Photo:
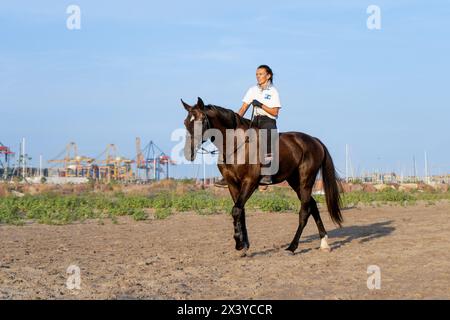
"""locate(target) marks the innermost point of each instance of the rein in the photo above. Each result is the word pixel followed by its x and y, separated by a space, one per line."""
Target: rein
pixel 208 126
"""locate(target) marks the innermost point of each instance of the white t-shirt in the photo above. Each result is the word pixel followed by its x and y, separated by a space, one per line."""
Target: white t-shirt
pixel 269 97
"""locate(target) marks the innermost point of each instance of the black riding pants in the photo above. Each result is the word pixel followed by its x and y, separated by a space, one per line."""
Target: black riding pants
pixel 264 122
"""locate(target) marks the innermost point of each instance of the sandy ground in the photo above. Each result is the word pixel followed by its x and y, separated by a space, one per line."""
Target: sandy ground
pixel 189 256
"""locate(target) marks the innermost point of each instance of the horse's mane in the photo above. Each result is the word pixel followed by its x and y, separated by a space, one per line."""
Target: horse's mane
pixel 229 115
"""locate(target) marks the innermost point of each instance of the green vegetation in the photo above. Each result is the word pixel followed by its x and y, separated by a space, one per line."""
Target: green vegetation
pixel 52 208
pixel 162 213
pixel 392 196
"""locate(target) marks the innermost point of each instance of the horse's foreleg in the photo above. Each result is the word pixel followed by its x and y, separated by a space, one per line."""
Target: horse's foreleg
pixel 236 213
pixel 240 197
pixel 239 228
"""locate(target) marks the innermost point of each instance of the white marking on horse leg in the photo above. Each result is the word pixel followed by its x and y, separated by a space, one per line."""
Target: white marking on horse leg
pixel 324 244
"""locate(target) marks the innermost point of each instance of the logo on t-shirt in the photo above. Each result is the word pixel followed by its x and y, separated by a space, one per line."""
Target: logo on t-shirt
pixel 267 96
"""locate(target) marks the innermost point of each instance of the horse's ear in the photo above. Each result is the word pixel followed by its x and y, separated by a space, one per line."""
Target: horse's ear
pixel 186 106
pixel 200 103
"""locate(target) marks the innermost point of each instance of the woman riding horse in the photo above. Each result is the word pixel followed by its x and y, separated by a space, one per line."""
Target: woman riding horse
pixel 300 158
pixel 265 99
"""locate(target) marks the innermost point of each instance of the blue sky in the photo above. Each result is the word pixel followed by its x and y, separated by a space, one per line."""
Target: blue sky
pixel 384 92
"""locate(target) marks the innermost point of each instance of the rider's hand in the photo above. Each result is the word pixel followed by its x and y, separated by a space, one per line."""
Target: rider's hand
pixel 256 103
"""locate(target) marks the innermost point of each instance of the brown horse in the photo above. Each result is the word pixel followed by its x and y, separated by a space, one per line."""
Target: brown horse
pixel 300 158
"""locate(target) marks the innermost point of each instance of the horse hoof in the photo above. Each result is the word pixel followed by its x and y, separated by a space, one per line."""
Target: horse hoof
pixel 291 249
pixel 241 246
pixel 244 252
pixel 324 244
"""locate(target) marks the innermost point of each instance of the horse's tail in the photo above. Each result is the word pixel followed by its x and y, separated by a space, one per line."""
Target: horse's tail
pixel 331 187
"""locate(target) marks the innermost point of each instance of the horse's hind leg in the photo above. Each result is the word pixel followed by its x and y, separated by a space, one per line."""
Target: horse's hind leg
pixel 305 211
pixel 322 232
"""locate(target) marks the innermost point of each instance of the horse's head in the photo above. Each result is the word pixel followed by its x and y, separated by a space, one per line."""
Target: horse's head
pixel 196 118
